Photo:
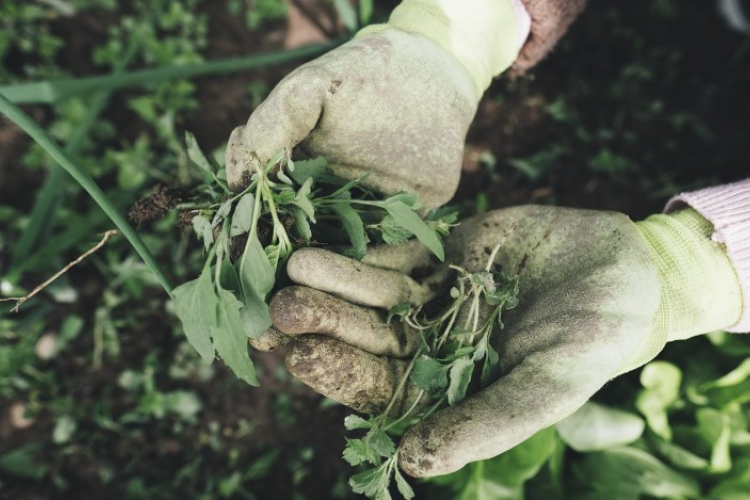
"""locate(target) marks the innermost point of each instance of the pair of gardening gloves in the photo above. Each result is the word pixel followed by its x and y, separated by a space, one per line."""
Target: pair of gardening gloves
pixel 599 294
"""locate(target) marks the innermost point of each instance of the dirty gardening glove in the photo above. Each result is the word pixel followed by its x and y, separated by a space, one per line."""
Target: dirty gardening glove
pixel 599 296
pixel 395 101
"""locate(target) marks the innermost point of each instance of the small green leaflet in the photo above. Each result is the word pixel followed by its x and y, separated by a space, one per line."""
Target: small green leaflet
pixel 353 422
pixel 358 451
pixel 301 224
pixel 403 487
pixel 380 442
pixel 230 339
pixel 196 156
pixel 373 482
pixel 429 374
pixel 308 169
pixel 195 303
pixel 203 229
pixel 393 233
pixel 354 228
pixel 408 219
pixel 460 376
pixel 302 200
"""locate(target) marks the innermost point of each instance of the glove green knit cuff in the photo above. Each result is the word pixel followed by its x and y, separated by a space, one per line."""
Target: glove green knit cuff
pixel 484 36
pixel 701 291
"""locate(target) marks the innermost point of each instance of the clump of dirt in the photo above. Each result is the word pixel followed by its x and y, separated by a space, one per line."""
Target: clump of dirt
pixel 155 206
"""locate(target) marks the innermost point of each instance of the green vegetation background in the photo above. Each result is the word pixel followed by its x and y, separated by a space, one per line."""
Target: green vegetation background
pixel 101 396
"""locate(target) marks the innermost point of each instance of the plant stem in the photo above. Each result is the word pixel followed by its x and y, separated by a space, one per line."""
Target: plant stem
pixel 24 121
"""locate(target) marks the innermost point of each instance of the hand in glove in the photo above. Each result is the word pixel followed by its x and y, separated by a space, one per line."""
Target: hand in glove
pixel 599 295
pixel 396 101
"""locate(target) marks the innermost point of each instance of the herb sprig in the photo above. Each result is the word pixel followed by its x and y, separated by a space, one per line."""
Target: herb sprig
pixel 455 355
pixel 286 205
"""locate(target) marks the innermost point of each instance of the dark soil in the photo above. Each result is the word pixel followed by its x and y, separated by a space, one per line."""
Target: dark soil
pixel 692 75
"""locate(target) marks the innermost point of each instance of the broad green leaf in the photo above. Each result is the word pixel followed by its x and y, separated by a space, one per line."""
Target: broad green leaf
pixel 460 376
pixel 256 273
pixel 22 462
pixel 502 477
pixel 256 318
pixel 429 374
pixel 359 451
pixel 714 426
pixel 393 233
pixel 403 487
pixel 381 443
pixel 308 169
pixel 242 218
pixel 408 219
pixel 661 381
pixel 634 471
pixel 302 200
pixel 678 456
pixel 353 422
pixel 230 339
pixel 354 228
pixel 195 304
pixel 597 427
pixel 228 277
pixel 203 229
pixel 347 14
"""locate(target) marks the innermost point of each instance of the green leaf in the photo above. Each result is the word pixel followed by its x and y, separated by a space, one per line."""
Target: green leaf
pixel 715 427
pixel 203 229
pixel 393 233
pixel 273 253
pixel 242 218
pixel 196 156
pixel 678 456
pixel 308 169
pixel 661 382
pixel 354 228
pixel 403 487
pixel 502 477
pixel 353 422
pixel 634 471
pixel 460 376
pixel 411 200
pixel 372 482
pixel 359 451
pixel 22 462
pixel 408 219
pixel 597 427
pixel 301 224
pixel 381 443
pixel 195 304
pixel 398 311
pixel 222 213
pixel 429 374
pixel 302 200
pixel 284 197
pixel 230 339
pixel 257 275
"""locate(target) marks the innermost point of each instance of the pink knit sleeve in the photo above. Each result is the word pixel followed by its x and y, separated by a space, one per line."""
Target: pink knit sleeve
pixel 727 207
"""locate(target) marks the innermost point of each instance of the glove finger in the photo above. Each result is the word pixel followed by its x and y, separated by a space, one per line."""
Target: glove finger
pixel 403 258
pixel 358 282
pixel 281 122
pixel 300 310
pixel 269 341
pixel 352 377
pixel 545 388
